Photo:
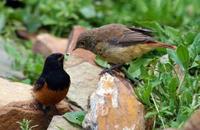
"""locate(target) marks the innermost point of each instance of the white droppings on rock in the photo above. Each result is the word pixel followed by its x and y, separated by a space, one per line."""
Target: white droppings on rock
pixel 107 87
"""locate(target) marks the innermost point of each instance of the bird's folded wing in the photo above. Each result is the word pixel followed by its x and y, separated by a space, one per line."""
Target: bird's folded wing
pixel 39 84
pixel 142 30
pixel 134 36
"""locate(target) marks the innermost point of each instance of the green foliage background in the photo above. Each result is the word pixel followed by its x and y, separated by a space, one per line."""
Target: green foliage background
pixel 168 99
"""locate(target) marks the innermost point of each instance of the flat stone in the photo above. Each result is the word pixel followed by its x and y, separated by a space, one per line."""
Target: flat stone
pixel 13 92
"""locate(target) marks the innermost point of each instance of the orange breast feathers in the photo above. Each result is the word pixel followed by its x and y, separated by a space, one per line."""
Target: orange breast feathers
pixel 47 96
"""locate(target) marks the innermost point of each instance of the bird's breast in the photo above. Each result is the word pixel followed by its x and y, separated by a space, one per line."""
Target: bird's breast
pixel 121 55
pixel 47 96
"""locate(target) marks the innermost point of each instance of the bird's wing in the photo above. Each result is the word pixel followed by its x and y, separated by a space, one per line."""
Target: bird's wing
pixel 145 31
pixel 39 84
pixel 132 36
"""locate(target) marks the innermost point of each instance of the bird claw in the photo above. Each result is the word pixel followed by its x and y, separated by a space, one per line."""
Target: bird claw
pixel 106 70
pixel 111 69
pixel 43 108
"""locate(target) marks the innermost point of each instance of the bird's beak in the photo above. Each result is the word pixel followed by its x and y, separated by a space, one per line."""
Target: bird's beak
pixel 160 45
pixel 61 58
pixel 66 56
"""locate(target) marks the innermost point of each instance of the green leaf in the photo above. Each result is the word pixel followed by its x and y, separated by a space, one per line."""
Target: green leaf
pixel 173 84
pixel 32 22
pixel 88 11
pixel 75 117
pixel 151 114
pixel 144 93
pixel 2 21
pixel 60 128
pixel 173 33
pixel 26 81
pixel 183 55
pixel 195 46
pixel 155 26
pixel 147 94
pixel 173 56
pixel 101 62
pixel 47 20
pixel 196 61
pixel 134 69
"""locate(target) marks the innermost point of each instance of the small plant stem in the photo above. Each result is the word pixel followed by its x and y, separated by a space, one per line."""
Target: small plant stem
pixel 157 110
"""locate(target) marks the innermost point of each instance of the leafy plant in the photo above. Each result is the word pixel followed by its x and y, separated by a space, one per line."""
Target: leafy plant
pixel 101 62
pixel 25 125
pixel 75 117
pixel 25 60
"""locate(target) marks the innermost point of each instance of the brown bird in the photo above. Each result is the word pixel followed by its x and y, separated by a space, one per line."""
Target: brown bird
pixel 119 44
pixel 53 83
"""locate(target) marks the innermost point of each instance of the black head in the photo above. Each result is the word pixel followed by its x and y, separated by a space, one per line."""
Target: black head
pixel 54 62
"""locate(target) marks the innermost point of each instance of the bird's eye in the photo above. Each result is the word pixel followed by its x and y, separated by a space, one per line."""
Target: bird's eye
pixel 81 44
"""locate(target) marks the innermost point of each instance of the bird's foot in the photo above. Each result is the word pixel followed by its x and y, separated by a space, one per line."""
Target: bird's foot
pixel 106 70
pixel 43 108
pixel 111 69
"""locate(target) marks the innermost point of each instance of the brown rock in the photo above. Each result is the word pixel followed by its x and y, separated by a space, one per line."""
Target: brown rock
pixel 194 122
pixel 73 37
pixel 17 111
pixel 16 103
pixel 24 34
pixel 85 55
pixel 114 107
pixel 46 44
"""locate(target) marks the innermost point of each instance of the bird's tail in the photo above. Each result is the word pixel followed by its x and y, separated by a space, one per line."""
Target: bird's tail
pixel 161 45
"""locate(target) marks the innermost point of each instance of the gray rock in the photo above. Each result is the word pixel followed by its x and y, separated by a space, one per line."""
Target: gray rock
pixel 84 79
pixel 6 61
pixel 58 123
